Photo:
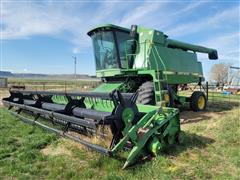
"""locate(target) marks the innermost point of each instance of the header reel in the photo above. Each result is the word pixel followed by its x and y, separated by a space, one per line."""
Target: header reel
pixel 139 129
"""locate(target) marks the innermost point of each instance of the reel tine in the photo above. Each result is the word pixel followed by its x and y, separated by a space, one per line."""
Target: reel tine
pixel 91 101
pixel 104 102
pixel 95 102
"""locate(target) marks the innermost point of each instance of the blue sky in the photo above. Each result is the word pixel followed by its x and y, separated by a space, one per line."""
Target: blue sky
pixel 42 36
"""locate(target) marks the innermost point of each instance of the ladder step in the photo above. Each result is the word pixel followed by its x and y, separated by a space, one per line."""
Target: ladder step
pixel 160 80
pixel 161 92
pixel 161 103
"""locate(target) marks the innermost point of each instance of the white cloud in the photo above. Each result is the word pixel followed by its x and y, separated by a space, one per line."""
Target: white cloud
pixel 23 20
pixel 189 8
pixel 227 46
pixel 159 14
pixel 71 21
pixel 142 13
pixel 206 23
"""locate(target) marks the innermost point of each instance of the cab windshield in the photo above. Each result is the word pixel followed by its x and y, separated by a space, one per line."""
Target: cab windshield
pixel 110 52
pixel 105 50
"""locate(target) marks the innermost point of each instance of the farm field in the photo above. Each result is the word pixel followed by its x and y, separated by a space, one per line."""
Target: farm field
pixel 52 84
pixel 210 150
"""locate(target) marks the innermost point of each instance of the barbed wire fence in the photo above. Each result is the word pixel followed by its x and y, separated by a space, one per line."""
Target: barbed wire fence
pixel 221 97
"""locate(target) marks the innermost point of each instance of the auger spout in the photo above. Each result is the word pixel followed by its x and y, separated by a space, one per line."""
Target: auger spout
pixel 212 53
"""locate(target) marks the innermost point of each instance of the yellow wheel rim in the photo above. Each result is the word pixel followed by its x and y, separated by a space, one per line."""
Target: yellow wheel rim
pixel 201 102
pixel 166 98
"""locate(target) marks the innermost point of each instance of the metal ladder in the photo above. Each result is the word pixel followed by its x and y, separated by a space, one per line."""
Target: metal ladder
pixel 159 79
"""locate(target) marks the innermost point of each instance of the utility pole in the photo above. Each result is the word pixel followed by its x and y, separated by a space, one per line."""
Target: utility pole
pixel 75 70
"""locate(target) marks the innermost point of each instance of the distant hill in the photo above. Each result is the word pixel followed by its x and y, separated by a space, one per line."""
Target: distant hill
pixel 6 74
pixel 45 76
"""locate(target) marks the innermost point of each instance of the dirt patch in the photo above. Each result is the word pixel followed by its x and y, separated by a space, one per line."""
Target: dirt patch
pixel 54 151
pixel 3 93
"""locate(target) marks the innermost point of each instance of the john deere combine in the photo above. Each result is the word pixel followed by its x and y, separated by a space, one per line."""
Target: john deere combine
pixel 139 68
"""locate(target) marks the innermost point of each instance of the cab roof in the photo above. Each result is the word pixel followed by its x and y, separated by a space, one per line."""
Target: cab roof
pixel 107 27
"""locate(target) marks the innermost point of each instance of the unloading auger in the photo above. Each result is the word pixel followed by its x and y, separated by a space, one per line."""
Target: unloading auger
pixel 139 129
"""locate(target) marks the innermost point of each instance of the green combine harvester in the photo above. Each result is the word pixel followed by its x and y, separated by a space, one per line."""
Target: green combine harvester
pixel 141 70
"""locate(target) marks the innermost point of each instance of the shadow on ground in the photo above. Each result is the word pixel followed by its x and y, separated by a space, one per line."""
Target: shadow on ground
pixel 213 110
pixel 190 141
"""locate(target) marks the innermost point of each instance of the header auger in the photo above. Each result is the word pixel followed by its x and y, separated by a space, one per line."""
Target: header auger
pixel 139 129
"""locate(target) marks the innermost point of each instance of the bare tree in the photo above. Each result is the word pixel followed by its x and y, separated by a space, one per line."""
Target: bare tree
pixel 234 75
pixel 220 73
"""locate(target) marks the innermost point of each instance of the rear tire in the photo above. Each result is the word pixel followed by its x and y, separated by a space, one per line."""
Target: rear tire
pixel 146 94
pixel 198 101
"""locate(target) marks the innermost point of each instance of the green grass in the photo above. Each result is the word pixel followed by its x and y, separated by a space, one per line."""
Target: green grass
pixel 210 150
